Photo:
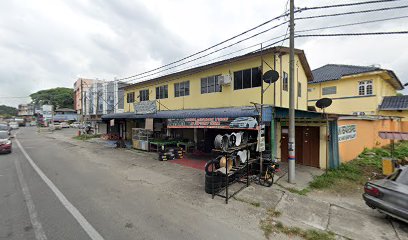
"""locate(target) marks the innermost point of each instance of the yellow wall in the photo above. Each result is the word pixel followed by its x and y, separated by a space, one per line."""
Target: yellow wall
pixel 403 114
pixel 228 97
pixel 346 100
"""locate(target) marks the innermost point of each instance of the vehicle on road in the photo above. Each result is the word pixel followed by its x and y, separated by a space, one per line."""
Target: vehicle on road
pixel 389 195
pixel 5 127
pixel 5 142
pixel 244 122
pixel 64 125
pixel 14 125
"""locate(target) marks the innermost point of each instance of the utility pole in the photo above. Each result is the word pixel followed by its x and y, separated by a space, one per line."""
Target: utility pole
pixel 82 99
pixel 291 147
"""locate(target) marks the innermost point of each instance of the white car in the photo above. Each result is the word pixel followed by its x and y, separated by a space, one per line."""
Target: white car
pixel 244 122
pixel 13 125
pixel 64 125
pixel 75 125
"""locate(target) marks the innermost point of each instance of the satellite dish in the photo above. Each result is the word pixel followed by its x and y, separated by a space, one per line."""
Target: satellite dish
pixel 323 103
pixel 270 76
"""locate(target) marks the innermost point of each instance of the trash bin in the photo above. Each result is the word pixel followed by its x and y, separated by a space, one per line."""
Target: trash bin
pixel 388 166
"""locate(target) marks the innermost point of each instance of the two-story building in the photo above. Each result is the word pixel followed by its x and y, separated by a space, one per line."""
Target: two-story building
pixel 199 103
pixel 355 90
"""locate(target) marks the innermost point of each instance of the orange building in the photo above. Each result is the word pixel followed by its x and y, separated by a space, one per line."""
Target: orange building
pixel 359 132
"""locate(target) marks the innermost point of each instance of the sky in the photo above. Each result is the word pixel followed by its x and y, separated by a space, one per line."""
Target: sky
pixel 51 43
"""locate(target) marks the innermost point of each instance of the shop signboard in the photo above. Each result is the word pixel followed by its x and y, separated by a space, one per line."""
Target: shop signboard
pixel 224 123
pixel 347 132
pixel 145 107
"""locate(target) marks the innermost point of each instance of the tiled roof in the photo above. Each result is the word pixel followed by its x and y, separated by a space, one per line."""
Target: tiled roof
pixel 394 103
pixel 336 71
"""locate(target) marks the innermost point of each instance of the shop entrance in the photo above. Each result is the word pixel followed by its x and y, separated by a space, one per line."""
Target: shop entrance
pixel 307 145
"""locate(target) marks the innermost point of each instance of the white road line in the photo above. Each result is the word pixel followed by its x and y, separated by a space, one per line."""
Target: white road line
pixel 92 233
pixel 38 230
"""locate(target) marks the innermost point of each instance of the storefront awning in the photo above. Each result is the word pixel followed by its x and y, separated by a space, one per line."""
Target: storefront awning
pixel 232 112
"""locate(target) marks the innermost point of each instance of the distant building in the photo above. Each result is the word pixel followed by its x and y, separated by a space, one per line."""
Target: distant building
pixel 94 98
pixel 25 110
pixel 65 115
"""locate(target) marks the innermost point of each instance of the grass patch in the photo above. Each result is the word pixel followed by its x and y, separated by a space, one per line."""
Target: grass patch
pixel 84 137
pixel 367 166
pixel 253 203
pixel 302 192
pixel 269 226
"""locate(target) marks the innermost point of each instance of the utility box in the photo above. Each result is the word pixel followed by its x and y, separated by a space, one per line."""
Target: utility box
pixel 388 166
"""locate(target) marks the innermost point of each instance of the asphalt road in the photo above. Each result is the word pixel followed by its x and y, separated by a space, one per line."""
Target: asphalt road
pixel 54 190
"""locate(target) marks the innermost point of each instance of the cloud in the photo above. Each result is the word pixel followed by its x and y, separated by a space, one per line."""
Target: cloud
pixel 50 43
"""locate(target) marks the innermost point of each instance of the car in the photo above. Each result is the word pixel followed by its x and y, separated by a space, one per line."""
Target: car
pixel 14 125
pixel 64 125
pixel 5 127
pixel 75 125
pixel 5 142
pixel 244 122
pixel 389 195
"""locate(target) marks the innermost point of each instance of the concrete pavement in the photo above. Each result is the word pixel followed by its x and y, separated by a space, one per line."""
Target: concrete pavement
pixel 121 194
pixel 127 194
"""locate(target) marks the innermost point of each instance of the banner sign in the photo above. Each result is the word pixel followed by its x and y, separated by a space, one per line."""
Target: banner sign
pixel 347 132
pixel 145 107
pixel 225 123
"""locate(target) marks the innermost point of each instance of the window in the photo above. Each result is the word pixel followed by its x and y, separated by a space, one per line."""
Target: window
pixel 285 83
pixel 130 97
pixel 299 89
pixel 182 89
pixel 329 90
pixel 210 84
pixel 248 78
pixel 310 90
pixel 144 95
pixel 162 92
pixel 365 87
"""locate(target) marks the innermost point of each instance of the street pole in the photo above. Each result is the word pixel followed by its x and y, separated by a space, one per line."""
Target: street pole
pixel 291 145
pixel 260 119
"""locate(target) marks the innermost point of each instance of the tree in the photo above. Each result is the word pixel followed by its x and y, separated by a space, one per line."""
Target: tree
pixel 7 111
pixel 58 97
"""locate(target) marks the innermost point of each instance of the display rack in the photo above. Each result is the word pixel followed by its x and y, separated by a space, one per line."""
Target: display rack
pixel 234 171
pixel 141 138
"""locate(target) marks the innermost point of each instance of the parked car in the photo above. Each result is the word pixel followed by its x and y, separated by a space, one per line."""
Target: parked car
pixel 14 125
pixel 64 125
pixel 5 142
pixel 75 125
pixel 244 122
pixel 5 127
pixel 389 195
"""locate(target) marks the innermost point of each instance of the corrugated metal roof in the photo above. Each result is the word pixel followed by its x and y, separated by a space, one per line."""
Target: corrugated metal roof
pixel 190 113
pixel 394 103
pixel 336 71
pixel 394 135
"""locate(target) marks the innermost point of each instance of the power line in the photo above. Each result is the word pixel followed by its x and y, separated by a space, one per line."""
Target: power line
pixel 205 69
pixel 346 4
pixel 353 12
pixel 208 54
pixel 352 34
pixel 213 46
pixel 352 24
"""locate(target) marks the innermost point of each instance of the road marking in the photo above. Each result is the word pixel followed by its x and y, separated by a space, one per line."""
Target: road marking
pixel 92 233
pixel 38 230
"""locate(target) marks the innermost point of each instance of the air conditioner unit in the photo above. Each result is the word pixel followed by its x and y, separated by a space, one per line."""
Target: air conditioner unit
pixel 224 79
